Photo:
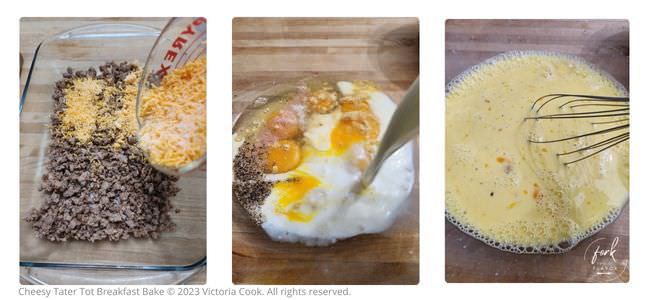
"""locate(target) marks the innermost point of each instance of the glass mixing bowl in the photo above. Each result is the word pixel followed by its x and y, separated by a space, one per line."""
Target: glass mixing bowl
pixel 183 40
pixel 267 55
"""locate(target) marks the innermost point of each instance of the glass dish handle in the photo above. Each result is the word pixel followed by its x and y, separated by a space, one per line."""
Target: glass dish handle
pixel 82 276
pixel 108 31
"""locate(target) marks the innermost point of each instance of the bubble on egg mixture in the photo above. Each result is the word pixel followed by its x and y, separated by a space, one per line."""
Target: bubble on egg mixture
pixel 550 248
pixel 534 205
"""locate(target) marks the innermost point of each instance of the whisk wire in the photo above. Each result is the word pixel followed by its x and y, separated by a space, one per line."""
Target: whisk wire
pixel 619 108
pixel 610 122
pixel 579 96
pixel 599 151
pixel 590 114
pixel 621 127
pixel 595 104
pixel 612 100
pixel 597 145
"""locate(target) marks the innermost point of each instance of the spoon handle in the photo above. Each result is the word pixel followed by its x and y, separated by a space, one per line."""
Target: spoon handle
pixel 403 126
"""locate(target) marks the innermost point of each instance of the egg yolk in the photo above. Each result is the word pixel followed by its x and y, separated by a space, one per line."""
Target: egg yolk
pixel 349 104
pixel 323 101
pixel 283 124
pixel 282 156
pixel 291 192
pixel 353 129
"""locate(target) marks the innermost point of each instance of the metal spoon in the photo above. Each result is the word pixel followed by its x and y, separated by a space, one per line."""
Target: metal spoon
pixel 403 126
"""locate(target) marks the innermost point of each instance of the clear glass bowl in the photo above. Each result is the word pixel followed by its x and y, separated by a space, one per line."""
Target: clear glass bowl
pixel 183 40
pixel 269 53
pixel 172 258
pixel 257 259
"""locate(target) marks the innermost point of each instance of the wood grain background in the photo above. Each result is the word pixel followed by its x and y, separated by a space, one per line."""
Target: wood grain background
pixel 275 50
pixel 604 43
pixel 184 246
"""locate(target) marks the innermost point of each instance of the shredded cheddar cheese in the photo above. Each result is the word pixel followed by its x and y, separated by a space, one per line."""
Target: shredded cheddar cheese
pixel 87 108
pixel 173 117
pixel 81 99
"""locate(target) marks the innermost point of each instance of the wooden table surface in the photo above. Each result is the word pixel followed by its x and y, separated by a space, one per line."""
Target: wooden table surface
pixel 383 50
pixel 35 116
pixel 603 43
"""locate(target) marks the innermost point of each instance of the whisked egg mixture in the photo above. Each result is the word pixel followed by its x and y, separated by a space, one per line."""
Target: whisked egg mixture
pixel 515 195
pixel 297 161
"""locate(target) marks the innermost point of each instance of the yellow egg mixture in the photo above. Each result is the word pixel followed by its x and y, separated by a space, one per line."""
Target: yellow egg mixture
pixel 516 195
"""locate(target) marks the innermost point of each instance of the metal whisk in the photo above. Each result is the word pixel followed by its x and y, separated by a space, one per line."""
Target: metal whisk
pixel 601 109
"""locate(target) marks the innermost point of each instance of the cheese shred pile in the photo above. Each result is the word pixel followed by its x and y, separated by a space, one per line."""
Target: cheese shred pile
pixel 91 107
pixel 173 117
pixel 79 119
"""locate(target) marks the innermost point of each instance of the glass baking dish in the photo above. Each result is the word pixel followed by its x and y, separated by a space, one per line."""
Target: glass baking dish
pixel 175 256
